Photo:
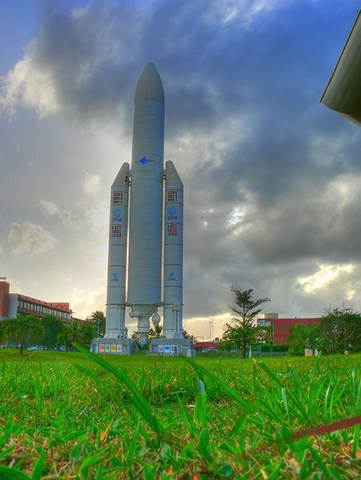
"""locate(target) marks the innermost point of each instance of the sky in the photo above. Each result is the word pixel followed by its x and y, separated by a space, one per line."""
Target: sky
pixel 272 177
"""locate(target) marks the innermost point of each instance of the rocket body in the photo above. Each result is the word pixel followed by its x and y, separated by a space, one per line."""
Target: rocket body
pixel 144 239
pixel 145 231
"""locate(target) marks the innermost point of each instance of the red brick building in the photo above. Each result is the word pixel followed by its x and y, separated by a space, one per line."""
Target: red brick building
pixel 4 298
pixel 13 303
pixel 282 328
pixel 207 345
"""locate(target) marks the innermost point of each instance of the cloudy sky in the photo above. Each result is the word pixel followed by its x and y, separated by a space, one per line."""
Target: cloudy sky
pixel 272 178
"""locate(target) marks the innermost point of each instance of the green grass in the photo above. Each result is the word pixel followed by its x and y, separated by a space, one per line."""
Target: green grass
pixel 76 416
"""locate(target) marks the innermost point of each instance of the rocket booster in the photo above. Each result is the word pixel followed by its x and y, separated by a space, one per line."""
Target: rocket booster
pixel 144 238
pixel 117 257
pixel 173 253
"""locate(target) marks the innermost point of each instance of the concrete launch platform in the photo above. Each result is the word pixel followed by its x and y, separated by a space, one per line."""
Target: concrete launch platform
pixel 117 346
pixel 168 347
pixel 171 347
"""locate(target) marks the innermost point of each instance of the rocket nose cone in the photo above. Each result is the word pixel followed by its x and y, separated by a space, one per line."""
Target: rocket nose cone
pixel 171 173
pixel 149 86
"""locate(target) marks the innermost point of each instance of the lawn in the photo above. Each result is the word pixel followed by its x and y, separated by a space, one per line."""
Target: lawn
pixel 66 416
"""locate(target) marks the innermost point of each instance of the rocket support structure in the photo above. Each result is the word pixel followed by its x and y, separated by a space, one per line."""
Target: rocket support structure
pixel 153 237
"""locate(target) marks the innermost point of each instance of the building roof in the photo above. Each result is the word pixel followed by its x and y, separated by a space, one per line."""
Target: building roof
pixel 210 344
pixel 63 306
pixel 296 320
pixel 343 90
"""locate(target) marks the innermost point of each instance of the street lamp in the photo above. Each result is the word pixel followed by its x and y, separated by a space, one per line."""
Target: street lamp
pixel 210 330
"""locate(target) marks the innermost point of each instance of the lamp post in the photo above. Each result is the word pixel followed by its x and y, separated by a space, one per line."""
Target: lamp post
pixel 210 330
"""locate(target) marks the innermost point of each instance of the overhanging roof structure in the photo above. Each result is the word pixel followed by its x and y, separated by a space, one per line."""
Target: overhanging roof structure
pixel 343 91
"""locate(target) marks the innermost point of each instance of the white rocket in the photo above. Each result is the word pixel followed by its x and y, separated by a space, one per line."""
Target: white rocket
pixel 147 191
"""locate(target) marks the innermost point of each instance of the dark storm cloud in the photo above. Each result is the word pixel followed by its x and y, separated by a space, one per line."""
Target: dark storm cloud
pixel 319 224
pixel 88 54
pixel 211 68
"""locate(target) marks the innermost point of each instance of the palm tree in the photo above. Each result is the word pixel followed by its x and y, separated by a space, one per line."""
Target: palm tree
pixel 71 334
pixel 188 335
pixel 97 319
pixel 22 329
pixel 303 336
pixel 76 332
pixel 156 331
pixel 53 327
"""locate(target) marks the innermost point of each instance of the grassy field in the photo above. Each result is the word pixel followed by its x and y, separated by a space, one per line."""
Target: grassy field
pixel 65 416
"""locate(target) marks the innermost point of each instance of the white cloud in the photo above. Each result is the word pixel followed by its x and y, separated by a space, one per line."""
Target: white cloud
pixel 65 276
pixel 92 184
pixel 212 325
pixel 244 11
pixel 67 218
pixel 27 84
pixel 84 302
pixel 1 249
pixel 30 240
pixel 98 218
pixel 49 208
pixel 326 275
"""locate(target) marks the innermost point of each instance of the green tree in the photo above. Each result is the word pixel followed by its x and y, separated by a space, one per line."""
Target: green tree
pixel 78 332
pixel 136 336
pixel 340 330
pixel 226 345
pixel 70 334
pixel 73 331
pixel 24 329
pixel 264 335
pixel 97 319
pixel 156 331
pixel 243 331
pixel 303 336
pixel 53 327
pixel 64 338
pixel 188 335
pixel 86 334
